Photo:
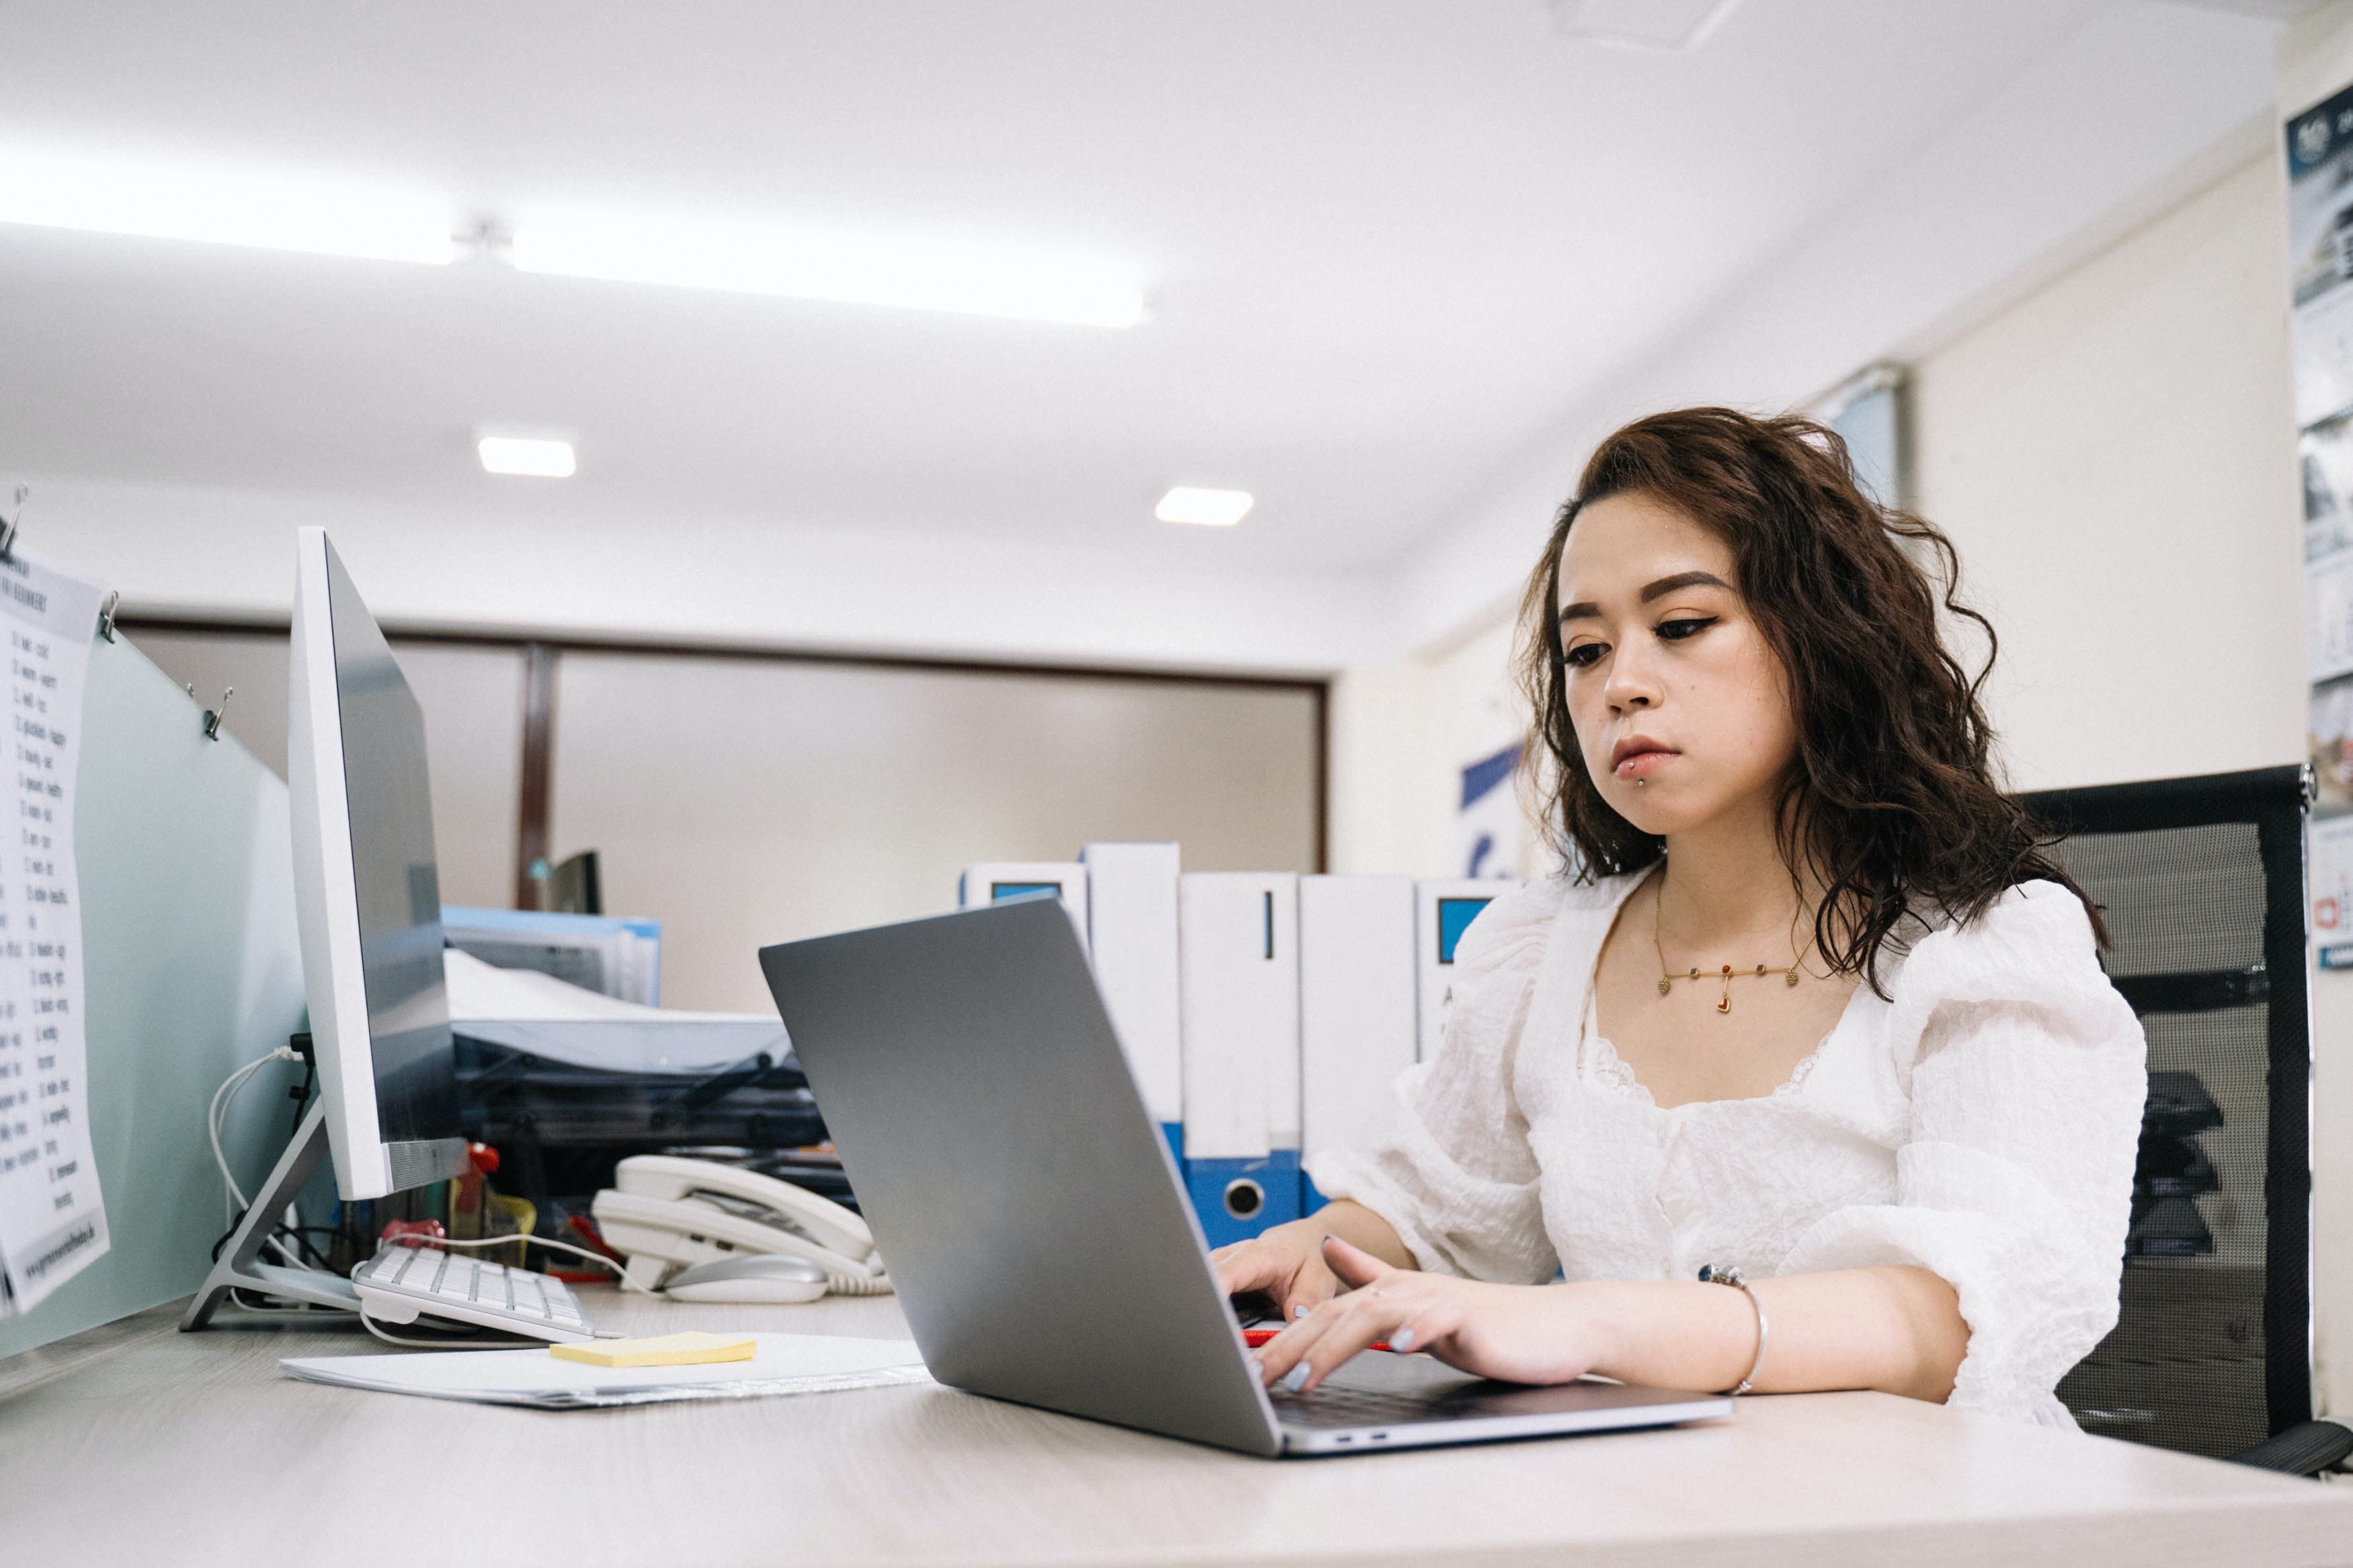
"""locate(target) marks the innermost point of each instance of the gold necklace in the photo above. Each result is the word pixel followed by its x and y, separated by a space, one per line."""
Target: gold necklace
pixel 1667 977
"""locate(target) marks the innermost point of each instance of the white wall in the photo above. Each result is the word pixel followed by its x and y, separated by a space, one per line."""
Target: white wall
pixel 2079 148
pixel 744 800
pixel 1401 732
pixel 2112 452
pixel 2114 457
pixel 762 582
pixel 2073 162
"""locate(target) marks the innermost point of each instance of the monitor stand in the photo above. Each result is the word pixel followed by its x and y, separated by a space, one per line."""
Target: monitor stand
pixel 240 1267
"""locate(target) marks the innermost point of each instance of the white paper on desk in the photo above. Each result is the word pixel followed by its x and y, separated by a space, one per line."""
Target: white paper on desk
pixel 784 1364
pixel 52 1217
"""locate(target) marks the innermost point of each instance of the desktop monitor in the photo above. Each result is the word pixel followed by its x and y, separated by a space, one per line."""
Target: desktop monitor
pixel 367 896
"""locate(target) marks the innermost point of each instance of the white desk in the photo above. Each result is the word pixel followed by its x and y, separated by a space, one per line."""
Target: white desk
pixel 134 1443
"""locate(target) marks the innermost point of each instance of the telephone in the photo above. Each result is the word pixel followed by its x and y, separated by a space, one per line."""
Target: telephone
pixel 665 1214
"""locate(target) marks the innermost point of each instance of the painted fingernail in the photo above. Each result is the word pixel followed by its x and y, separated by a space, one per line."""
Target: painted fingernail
pixel 1402 1340
pixel 1299 1309
pixel 1328 1239
pixel 1296 1378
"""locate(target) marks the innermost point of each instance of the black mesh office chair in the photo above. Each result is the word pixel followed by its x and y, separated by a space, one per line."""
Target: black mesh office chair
pixel 2201 883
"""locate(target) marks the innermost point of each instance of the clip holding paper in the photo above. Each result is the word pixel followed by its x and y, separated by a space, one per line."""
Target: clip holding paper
pixel 213 715
pixel 106 614
pixel 8 529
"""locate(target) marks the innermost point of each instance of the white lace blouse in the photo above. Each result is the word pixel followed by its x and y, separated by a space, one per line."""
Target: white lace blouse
pixel 1983 1125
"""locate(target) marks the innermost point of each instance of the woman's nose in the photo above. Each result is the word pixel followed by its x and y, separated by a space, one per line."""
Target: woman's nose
pixel 1630 686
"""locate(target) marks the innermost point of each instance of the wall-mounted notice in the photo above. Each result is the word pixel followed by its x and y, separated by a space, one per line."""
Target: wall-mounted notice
pixel 2320 257
pixel 2320 290
pixel 52 1219
pixel 2332 891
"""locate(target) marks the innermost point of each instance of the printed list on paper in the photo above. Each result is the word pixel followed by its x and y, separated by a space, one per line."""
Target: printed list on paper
pixel 52 1219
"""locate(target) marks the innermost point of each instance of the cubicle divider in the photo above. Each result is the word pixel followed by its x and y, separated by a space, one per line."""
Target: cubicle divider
pixel 191 968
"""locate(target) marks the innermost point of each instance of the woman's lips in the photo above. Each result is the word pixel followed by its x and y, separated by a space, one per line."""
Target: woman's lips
pixel 1641 764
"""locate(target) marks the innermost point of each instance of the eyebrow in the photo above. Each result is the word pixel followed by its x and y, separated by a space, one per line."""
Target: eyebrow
pixel 1586 609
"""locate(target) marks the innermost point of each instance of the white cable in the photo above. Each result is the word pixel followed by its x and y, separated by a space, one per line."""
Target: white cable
pixel 213 1126
pixel 290 1310
pixel 836 1284
pixel 216 1115
pixel 437 1343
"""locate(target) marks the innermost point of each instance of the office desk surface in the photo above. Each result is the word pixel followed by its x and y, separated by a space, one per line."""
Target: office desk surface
pixel 135 1442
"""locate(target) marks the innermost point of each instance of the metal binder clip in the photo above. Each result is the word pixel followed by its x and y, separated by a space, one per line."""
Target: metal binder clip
pixel 8 529
pixel 106 614
pixel 213 715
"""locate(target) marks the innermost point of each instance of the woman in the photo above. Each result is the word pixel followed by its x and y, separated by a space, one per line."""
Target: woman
pixel 1815 1015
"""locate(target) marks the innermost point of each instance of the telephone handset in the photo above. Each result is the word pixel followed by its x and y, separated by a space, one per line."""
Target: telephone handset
pixel 666 1214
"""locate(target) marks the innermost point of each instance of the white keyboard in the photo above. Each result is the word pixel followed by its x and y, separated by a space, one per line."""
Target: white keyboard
pixel 401 1284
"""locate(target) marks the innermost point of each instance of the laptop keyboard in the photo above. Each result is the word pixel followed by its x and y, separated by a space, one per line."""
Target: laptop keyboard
pixel 1370 1407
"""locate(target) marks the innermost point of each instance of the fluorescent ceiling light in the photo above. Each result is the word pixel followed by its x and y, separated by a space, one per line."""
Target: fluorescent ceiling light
pixel 1210 509
pixel 816 264
pixel 535 459
pixel 220 206
pixel 1674 27
pixel 280 212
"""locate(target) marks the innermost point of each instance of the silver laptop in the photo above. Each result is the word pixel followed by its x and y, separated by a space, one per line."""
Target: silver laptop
pixel 1036 1226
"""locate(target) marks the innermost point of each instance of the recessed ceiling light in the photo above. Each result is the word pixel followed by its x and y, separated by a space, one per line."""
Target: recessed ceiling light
pixel 534 458
pixel 220 206
pixel 816 264
pixel 1210 509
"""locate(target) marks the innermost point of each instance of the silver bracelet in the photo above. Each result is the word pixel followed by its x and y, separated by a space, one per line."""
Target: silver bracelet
pixel 1729 1274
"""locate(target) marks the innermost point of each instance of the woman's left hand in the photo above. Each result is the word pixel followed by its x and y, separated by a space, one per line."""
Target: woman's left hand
pixel 1522 1333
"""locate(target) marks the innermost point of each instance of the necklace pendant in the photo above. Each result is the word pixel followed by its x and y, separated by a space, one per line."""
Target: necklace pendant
pixel 1790 979
pixel 1665 985
pixel 1723 1003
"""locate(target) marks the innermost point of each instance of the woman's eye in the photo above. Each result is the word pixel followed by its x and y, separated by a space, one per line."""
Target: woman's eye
pixel 1584 654
pixel 1675 631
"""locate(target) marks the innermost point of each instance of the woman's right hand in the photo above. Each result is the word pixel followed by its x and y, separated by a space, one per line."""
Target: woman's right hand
pixel 1284 1264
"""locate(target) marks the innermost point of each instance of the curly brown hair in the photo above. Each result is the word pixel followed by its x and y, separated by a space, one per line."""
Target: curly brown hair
pixel 1890 801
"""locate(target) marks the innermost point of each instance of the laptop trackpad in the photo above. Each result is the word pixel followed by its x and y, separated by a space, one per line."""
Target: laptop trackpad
pixel 1445 1392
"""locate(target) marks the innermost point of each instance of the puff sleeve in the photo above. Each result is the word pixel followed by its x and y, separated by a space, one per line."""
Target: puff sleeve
pixel 2027 1073
pixel 1456 1178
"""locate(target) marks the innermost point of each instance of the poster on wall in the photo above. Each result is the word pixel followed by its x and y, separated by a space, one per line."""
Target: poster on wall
pixel 2320 257
pixel 2331 876
pixel 1487 825
pixel 2320 335
pixel 2324 454
pixel 2330 734
pixel 1868 412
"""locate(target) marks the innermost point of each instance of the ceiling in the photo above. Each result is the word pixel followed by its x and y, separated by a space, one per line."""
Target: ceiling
pixel 1388 241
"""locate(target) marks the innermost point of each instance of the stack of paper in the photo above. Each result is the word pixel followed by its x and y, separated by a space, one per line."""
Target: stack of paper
pixel 526 1011
pixel 784 1364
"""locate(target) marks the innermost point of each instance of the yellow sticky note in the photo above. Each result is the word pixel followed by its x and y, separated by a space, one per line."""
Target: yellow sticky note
pixel 692 1349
